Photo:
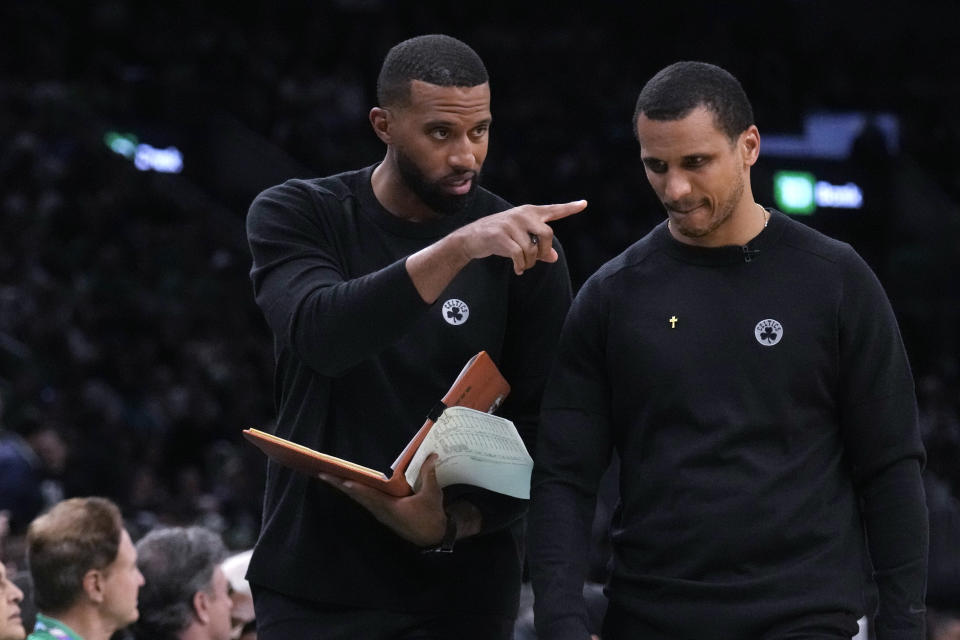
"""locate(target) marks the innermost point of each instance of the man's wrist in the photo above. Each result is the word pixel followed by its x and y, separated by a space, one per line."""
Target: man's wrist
pixel 454 247
pixel 463 520
pixel 449 537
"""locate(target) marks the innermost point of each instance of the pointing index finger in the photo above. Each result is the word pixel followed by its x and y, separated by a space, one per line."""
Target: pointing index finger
pixel 548 212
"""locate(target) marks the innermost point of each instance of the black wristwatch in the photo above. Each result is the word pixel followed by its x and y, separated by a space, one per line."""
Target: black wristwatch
pixel 449 537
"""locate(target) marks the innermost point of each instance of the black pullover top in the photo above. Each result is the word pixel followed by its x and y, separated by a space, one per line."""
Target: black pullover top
pixel 763 409
pixel 360 361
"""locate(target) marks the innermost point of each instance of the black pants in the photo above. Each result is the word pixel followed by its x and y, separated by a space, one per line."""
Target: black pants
pixel 281 617
pixel 621 624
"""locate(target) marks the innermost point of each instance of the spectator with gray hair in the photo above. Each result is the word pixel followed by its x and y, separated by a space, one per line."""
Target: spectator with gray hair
pixel 187 596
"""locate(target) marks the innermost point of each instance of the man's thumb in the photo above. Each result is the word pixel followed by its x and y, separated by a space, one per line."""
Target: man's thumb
pixel 428 474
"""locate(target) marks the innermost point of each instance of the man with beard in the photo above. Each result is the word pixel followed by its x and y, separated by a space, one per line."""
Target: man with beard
pixel 378 285
pixel 750 375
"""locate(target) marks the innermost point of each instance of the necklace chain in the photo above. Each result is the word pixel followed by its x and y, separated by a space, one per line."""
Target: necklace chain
pixel 764 213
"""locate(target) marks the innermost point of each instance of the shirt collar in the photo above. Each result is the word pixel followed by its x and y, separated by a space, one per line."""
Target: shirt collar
pixel 55 628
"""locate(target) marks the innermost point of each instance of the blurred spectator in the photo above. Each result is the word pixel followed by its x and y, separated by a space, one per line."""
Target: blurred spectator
pixel 84 571
pixel 30 468
pixel 187 595
pixel 242 616
pixel 938 398
pixel 943 625
pixel 11 622
pixel 943 581
pixel 4 530
pixel 28 612
pixel 248 631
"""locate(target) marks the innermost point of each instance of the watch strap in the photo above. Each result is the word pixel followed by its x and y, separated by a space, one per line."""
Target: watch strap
pixel 449 538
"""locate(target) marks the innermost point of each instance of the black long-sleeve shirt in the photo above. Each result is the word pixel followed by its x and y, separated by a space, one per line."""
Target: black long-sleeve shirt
pixel 764 413
pixel 361 359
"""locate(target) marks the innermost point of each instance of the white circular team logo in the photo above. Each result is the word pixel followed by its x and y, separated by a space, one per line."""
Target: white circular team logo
pixel 455 311
pixel 768 332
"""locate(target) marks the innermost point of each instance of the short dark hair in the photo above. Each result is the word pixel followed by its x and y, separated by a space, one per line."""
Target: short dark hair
pixel 75 536
pixel 176 563
pixel 683 86
pixel 436 59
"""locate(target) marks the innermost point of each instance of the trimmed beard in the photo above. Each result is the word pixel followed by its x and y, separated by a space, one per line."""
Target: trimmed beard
pixel 432 193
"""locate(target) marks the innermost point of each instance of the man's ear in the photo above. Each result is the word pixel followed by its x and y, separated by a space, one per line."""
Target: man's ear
pixel 750 145
pixel 201 606
pixel 93 585
pixel 380 120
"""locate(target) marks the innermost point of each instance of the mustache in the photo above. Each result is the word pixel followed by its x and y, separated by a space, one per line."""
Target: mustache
pixel 460 176
pixel 683 205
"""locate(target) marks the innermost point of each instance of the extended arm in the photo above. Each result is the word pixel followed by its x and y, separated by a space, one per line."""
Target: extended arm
pixel 520 234
pixel 312 301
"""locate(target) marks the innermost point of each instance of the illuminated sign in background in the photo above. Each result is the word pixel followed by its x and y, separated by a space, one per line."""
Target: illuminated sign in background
pixel 813 170
pixel 145 157
pixel 800 193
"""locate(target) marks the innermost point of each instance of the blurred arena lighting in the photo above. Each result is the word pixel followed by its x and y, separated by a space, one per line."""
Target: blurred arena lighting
pixel 831 135
pixel 145 157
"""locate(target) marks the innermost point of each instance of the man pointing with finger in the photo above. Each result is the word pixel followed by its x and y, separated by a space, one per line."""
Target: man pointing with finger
pixel 378 285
